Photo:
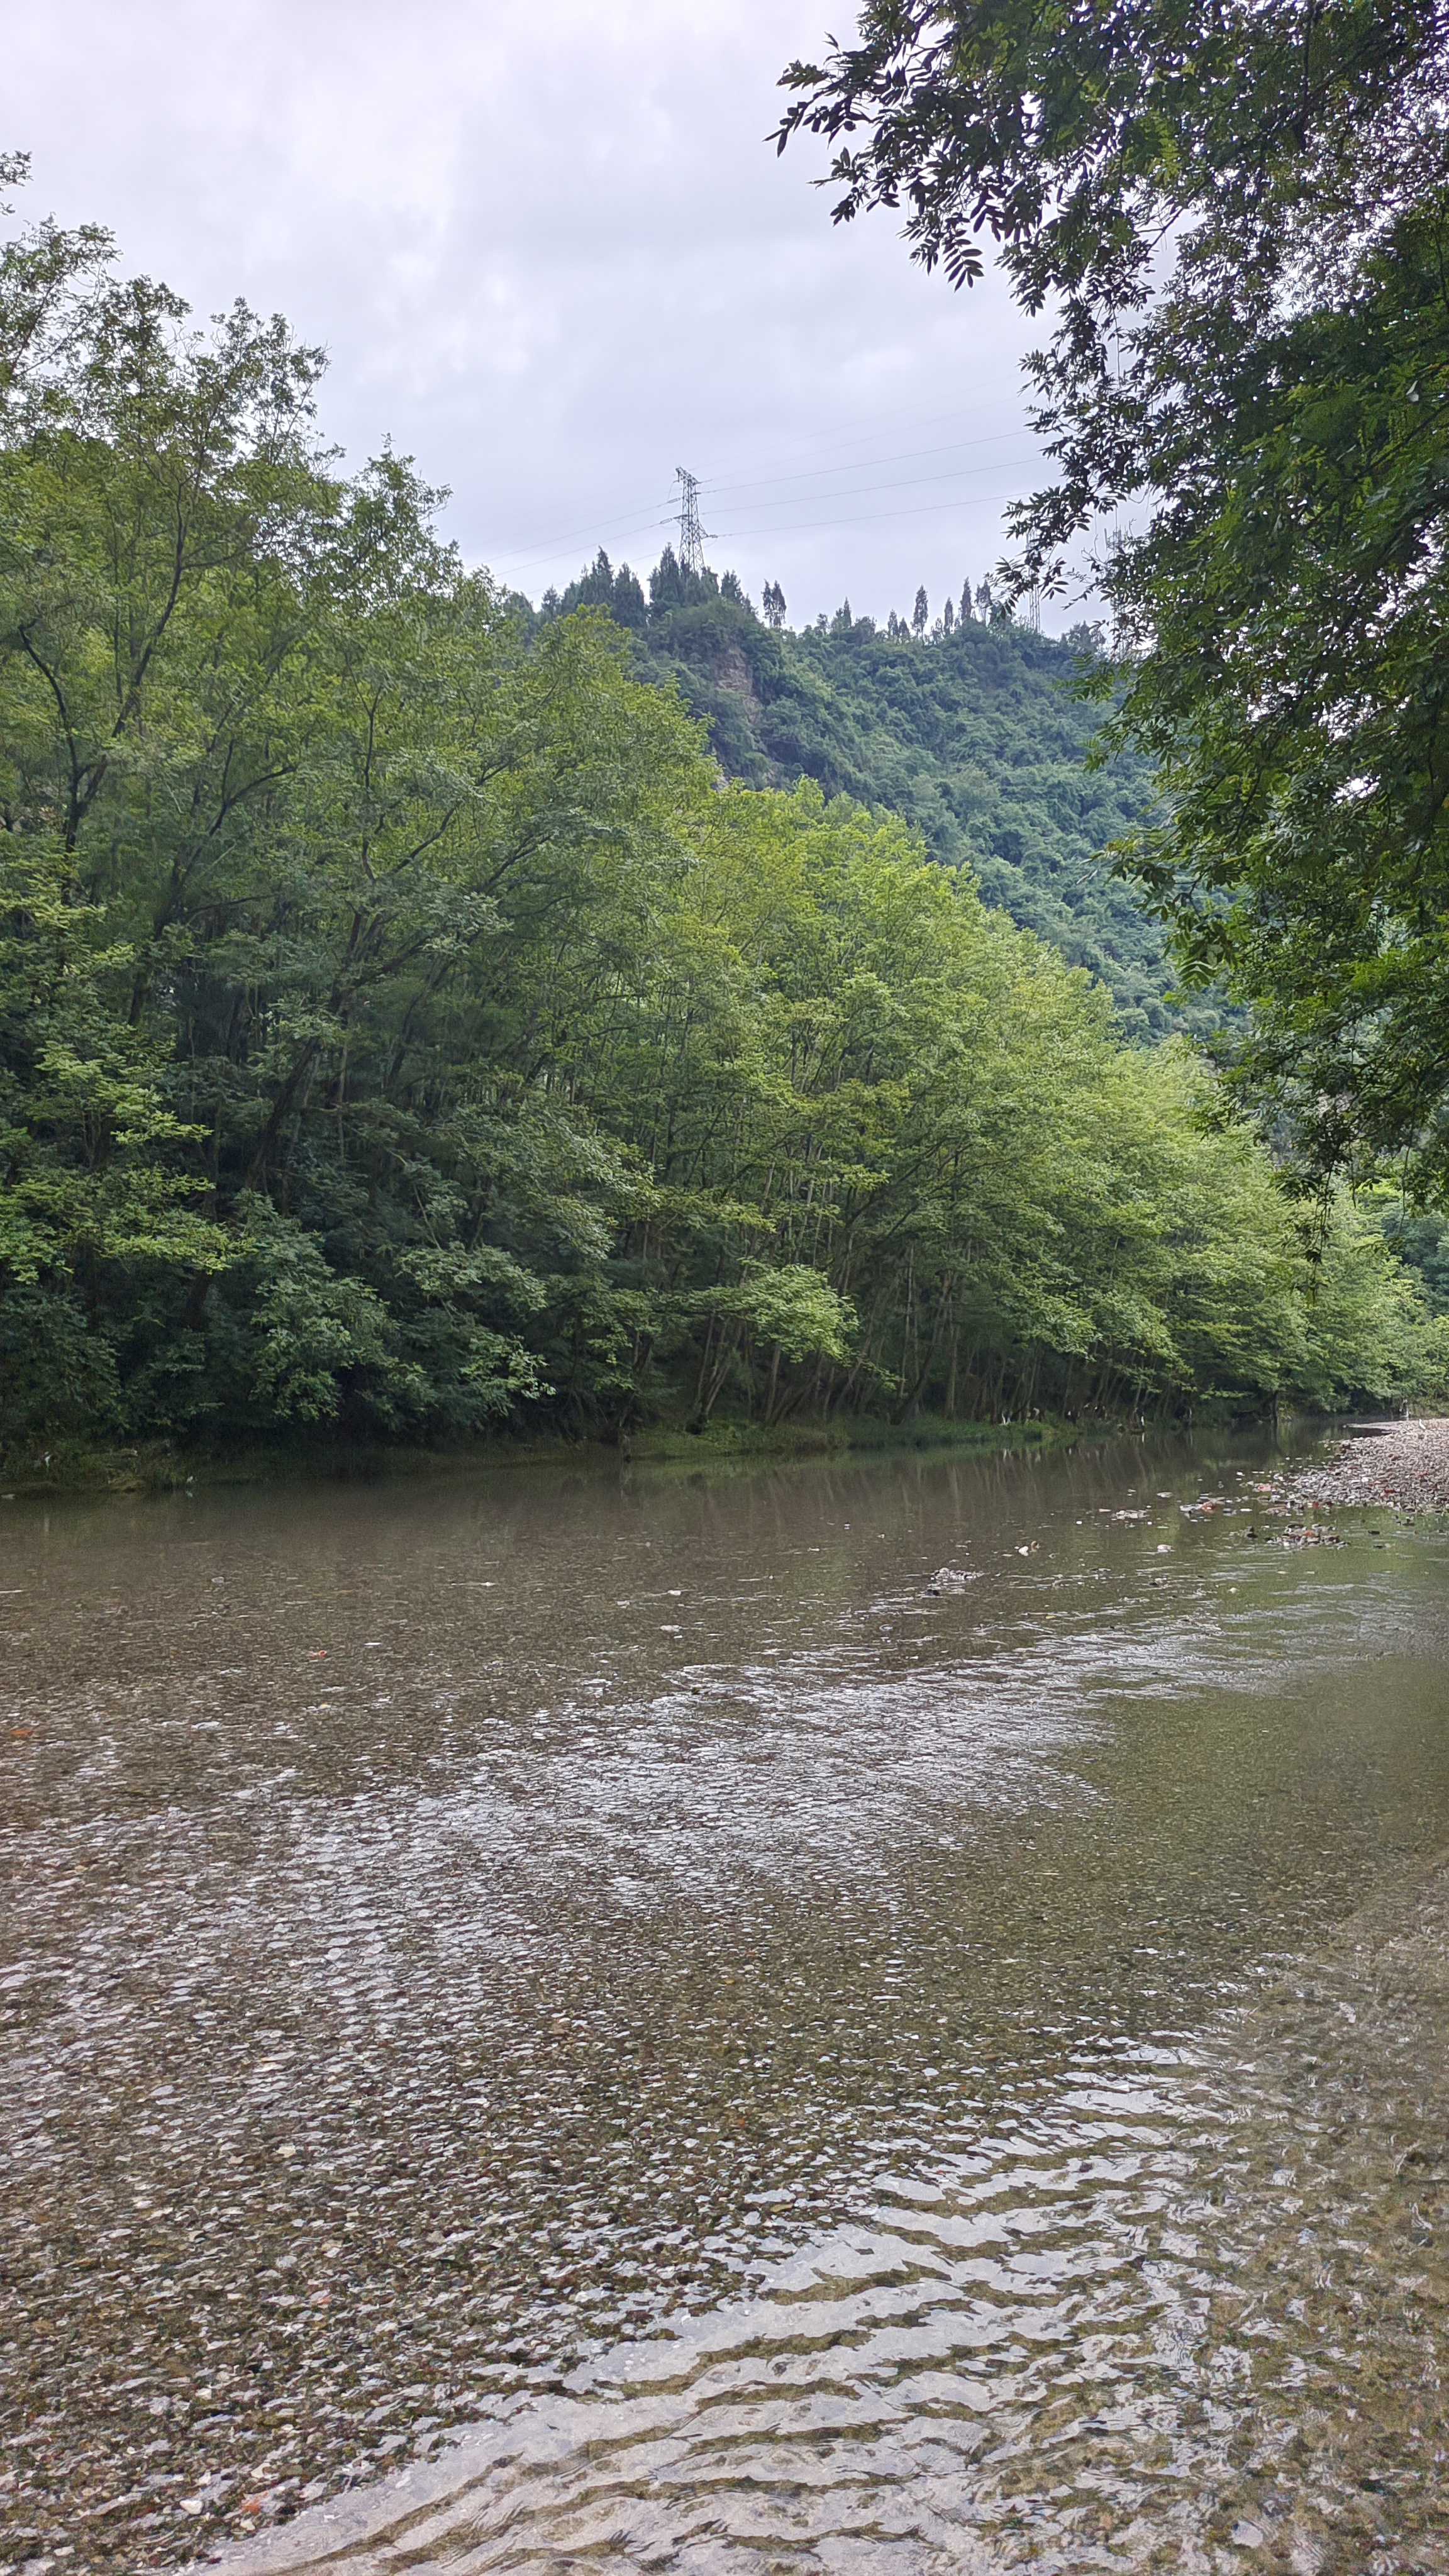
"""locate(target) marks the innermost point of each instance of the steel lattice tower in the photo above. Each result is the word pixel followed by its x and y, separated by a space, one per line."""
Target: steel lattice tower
pixel 691 534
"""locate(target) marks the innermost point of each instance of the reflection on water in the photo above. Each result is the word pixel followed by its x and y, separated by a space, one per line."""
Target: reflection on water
pixel 725 2025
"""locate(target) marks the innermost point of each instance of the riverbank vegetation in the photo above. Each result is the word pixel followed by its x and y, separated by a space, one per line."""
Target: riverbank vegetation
pixel 406 1027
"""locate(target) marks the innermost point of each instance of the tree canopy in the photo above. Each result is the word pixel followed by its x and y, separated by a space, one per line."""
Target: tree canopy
pixel 405 1028
pixel 1236 219
pixel 1081 139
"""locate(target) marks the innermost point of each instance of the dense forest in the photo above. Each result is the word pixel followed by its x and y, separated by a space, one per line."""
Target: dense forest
pixel 974 729
pixel 405 1026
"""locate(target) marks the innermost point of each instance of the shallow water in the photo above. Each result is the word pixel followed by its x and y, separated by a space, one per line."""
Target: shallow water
pixel 580 2021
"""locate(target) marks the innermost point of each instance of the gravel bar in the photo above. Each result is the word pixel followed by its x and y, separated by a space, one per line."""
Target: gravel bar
pixel 1403 1467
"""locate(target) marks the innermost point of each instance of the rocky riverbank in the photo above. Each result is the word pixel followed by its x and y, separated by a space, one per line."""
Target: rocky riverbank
pixel 1404 1468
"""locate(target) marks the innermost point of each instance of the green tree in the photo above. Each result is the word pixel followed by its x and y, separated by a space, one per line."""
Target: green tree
pixel 1266 404
pixel 1294 697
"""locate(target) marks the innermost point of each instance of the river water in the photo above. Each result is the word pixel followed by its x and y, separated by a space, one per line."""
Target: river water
pixel 885 2016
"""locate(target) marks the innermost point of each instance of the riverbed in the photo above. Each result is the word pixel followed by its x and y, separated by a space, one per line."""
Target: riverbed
pixel 870 2016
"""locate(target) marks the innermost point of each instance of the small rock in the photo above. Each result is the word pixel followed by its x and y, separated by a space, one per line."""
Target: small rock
pixel 1420 2161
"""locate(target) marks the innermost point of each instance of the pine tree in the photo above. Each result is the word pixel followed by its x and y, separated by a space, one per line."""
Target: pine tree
pixel 948 614
pixel 921 611
pixel 629 606
pixel 666 584
pixel 965 603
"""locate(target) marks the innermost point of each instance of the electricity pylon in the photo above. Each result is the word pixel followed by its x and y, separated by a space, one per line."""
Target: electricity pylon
pixel 691 534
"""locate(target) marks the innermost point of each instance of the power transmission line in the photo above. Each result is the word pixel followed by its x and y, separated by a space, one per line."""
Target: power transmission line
pixel 868 518
pixel 539 549
pixel 521 558
pixel 863 464
pixel 898 483
pixel 538 552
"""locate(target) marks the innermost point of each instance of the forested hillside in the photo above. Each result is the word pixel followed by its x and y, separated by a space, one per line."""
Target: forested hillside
pixel 404 1028
pixel 977 734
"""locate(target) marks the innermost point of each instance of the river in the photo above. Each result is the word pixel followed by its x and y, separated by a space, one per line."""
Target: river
pixel 882 2016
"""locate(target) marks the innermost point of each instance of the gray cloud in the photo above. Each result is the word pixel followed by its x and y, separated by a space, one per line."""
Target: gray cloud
pixel 551 255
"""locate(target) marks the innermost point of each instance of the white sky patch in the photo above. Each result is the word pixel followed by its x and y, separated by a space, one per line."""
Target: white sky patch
pixel 551 254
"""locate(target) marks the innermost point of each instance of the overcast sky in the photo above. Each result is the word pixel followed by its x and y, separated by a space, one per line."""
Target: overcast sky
pixel 549 251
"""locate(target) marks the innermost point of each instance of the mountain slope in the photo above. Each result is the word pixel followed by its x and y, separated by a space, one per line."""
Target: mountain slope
pixel 976 736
